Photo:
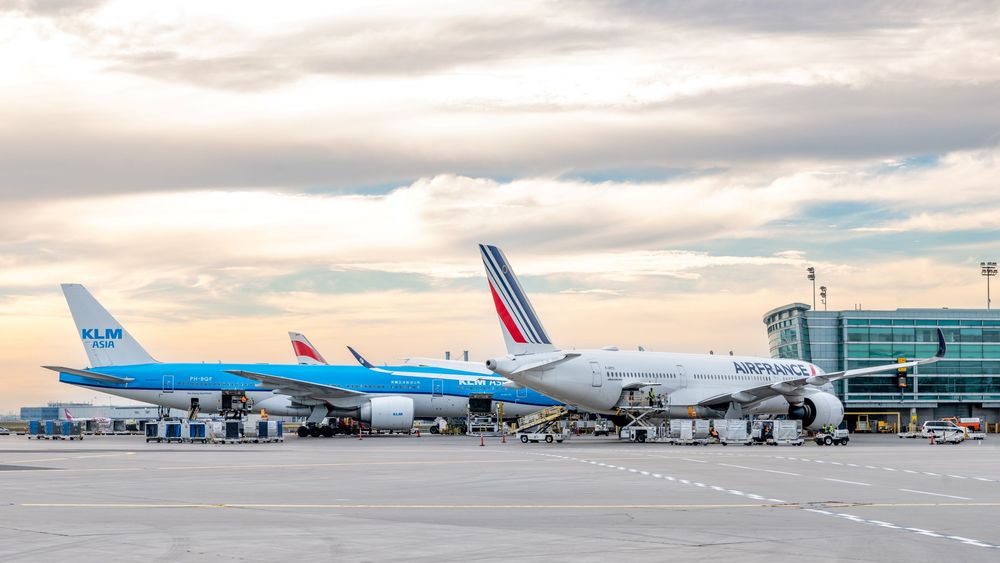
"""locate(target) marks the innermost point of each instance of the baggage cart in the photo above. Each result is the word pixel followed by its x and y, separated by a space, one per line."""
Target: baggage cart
pixel 787 432
pixel 156 431
pixel 172 431
pixel 36 429
pixel 195 432
pixel 734 432
pixel 53 429
pixel 71 430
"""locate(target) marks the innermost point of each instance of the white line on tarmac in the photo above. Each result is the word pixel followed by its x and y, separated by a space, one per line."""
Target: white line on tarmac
pixel 848 482
pixel 761 469
pixel 935 494
pixel 694 460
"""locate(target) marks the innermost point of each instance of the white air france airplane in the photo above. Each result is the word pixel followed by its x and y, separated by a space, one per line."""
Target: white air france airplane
pixel 693 385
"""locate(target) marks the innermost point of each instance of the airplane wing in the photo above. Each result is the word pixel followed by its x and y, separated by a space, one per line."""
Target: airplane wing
pixel 795 387
pixel 297 387
pixel 90 374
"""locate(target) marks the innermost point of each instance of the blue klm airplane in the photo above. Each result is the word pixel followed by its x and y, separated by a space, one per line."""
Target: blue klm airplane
pixel 387 397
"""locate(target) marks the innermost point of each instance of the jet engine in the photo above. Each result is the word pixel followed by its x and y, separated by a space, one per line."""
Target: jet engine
pixel 388 413
pixel 818 410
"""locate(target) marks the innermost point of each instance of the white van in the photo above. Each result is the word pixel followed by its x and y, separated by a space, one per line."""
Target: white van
pixel 940 428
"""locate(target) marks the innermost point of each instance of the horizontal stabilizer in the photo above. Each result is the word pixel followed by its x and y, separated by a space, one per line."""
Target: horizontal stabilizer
pixel 90 374
pixel 550 360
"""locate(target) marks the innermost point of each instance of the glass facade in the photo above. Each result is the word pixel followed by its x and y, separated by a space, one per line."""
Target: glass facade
pixel 837 340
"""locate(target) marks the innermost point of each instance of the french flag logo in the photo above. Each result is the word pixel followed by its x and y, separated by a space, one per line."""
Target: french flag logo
pixel 516 313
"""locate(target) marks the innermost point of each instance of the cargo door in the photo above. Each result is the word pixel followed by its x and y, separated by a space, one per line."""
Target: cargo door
pixel 168 384
pixel 596 374
pixel 682 377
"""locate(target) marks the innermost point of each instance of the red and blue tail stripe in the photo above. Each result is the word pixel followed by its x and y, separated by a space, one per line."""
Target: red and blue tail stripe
pixel 513 307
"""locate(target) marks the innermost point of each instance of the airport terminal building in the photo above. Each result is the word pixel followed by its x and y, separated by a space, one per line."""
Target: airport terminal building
pixel 966 383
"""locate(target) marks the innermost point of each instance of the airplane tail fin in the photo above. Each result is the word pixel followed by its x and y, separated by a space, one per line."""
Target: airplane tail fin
pixel 522 331
pixel 67 414
pixel 305 352
pixel 107 343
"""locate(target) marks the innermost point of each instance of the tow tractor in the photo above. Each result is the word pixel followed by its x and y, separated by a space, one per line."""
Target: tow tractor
pixel 838 437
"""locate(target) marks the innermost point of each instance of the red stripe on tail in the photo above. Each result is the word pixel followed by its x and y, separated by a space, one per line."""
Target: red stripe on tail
pixel 506 319
pixel 302 350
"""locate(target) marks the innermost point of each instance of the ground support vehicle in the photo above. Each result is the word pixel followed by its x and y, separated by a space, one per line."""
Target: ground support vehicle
pixel 543 426
pixel 838 437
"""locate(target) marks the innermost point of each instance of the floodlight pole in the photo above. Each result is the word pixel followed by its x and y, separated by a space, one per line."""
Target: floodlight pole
pixel 812 277
pixel 988 270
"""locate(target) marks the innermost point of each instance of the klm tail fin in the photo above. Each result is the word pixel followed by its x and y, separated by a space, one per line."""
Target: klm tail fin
pixel 522 331
pixel 107 343
pixel 305 352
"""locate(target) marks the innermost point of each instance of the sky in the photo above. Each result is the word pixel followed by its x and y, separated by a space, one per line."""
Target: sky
pixel 658 173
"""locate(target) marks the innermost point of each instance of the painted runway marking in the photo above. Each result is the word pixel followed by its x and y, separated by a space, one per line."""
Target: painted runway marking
pixel 670 478
pixel 918 531
pixel 841 515
pixel 760 469
pixel 848 482
pixel 694 460
pixel 910 471
pixel 935 494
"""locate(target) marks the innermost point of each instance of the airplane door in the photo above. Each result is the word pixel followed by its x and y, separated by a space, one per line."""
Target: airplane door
pixel 596 374
pixel 168 384
pixel 522 393
pixel 437 388
pixel 682 378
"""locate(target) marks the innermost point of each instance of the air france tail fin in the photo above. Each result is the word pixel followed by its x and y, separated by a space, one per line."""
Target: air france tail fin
pixel 305 352
pixel 522 331
pixel 107 343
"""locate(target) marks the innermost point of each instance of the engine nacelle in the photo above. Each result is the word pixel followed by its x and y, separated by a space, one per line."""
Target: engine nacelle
pixel 388 413
pixel 817 410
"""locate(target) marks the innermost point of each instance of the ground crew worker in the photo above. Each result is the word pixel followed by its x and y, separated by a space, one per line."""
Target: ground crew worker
pixel 652 397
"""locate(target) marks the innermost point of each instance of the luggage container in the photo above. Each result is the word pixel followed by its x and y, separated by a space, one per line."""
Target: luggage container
pixel 195 432
pixel 787 432
pixel 36 429
pixel 118 427
pixel 172 431
pixel 232 431
pixel 53 429
pixel 688 432
pixel 267 431
pixel 734 432
pixel 156 431
pixel 71 430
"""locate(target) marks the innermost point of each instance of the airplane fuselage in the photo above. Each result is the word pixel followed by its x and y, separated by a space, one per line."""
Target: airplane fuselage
pixel 598 380
pixel 435 392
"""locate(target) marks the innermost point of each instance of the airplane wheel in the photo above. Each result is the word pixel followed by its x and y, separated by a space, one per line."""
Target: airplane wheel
pixel 548 439
pixel 641 438
pixel 327 432
pixel 524 439
pixel 828 441
pixel 303 431
pixel 314 431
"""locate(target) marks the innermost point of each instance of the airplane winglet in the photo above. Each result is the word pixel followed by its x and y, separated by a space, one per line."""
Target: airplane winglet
pixel 942 345
pixel 361 359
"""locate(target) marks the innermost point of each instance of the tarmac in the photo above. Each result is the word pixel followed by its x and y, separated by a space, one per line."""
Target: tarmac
pixel 438 498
